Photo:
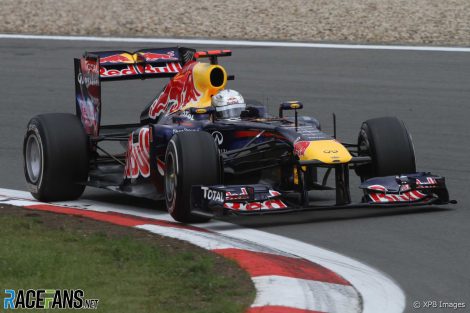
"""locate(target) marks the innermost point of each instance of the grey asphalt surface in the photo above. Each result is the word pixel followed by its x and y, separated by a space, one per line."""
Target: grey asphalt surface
pixel 426 251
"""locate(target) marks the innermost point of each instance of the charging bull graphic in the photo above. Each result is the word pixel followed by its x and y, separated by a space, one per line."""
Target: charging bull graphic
pixel 180 91
pixel 137 157
pixel 193 86
pixel 128 58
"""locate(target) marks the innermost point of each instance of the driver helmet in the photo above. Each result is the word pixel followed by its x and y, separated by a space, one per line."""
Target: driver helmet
pixel 228 104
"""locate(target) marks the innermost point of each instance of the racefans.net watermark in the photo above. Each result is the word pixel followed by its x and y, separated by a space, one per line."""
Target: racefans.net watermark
pixel 438 304
pixel 47 299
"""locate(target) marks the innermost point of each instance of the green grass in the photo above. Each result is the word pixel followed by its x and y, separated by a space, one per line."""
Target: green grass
pixel 124 273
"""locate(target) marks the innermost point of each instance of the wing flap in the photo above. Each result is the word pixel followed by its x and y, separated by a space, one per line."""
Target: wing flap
pixel 141 64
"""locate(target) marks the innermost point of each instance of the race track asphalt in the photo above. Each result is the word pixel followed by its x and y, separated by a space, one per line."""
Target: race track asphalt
pixel 427 251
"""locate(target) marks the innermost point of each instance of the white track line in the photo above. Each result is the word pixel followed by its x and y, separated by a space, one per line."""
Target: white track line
pixel 237 43
pixel 338 298
pixel 379 292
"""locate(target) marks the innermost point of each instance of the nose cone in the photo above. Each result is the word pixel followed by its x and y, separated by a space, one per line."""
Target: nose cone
pixel 325 151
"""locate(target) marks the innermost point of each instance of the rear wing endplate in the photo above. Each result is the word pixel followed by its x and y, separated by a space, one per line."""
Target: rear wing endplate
pixel 88 93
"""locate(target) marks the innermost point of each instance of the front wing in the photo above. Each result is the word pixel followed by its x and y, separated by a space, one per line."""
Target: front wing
pixel 415 189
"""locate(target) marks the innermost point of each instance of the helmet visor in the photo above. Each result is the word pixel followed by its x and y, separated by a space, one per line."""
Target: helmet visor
pixel 230 111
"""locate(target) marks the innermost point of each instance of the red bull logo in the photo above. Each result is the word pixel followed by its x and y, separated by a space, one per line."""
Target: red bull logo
pixel 409 196
pixel 138 155
pixel 300 147
pixel 138 57
pixel 179 92
pixel 109 71
pixel 151 57
pixel 256 206
pixel 117 58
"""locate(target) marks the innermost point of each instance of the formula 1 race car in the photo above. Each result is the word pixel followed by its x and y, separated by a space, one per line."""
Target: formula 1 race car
pixel 205 163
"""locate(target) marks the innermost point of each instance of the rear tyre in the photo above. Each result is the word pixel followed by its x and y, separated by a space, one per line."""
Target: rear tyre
pixel 55 156
pixel 388 143
pixel 192 158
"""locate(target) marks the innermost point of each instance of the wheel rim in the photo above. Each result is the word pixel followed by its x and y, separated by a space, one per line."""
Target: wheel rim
pixel 171 181
pixel 33 158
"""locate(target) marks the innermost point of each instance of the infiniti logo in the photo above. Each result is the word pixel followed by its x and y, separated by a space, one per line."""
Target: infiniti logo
pixel 218 137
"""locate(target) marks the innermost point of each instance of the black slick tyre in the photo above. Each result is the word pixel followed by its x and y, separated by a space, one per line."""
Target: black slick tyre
pixel 387 141
pixel 192 158
pixel 55 157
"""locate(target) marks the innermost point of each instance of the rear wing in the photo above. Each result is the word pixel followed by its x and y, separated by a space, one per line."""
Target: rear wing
pixel 96 67
pixel 141 64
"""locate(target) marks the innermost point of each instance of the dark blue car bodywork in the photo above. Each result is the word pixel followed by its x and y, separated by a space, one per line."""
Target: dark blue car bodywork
pixel 261 172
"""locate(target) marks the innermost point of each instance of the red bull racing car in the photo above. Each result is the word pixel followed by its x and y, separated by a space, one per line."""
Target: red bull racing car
pixel 204 151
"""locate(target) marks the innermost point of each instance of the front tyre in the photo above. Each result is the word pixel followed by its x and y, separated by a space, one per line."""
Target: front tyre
pixel 388 143
pixel 192 158
pixel 55 155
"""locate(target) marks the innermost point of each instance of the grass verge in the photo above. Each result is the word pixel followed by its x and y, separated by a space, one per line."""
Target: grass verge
pixel 128 270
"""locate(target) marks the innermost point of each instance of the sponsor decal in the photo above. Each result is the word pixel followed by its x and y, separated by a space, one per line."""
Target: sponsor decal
pixel 179 92
pixel 213 195
pixel 47 299
pixel 156 108
pixel 428 181
pixel 409 196
pixel 405 187
pixel 300 147
pixel 256 206
pixel 218 137
pixel 138 155
pixel 117 58
pixel 88 95
pixel 87 79
pixel 135 69
pixel 151 57
pixel 187 115
pixel 377 187
pixel 88 74
pixel 88 115
pixel 406 195
pixel 128 70
pixel 141 56
pixel 179 130
pixel 160 167
pixel 243 195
